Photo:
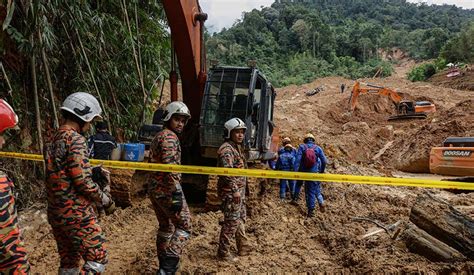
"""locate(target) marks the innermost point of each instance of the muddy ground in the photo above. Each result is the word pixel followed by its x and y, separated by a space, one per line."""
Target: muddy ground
pixel 464 81
pixel 362 142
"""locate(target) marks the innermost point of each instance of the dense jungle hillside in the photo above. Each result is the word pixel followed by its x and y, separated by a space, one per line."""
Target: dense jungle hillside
pixel 297 41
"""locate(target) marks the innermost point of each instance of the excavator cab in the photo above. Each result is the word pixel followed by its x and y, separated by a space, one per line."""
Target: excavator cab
pixel 242 92
pixel 406 107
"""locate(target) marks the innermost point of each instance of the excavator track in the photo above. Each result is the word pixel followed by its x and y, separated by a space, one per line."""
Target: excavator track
pixel 402 117
pixel 213 202
pixel 125 185
pixel 256 187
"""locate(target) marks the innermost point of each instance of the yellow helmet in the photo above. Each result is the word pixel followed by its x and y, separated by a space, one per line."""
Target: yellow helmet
pixel 286 141
pixel 308 136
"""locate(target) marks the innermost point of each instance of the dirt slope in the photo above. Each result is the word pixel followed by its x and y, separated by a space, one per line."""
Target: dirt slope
pixel 365 136
pixel 465 81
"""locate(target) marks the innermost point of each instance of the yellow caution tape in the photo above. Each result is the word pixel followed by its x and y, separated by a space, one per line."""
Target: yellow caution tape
pixel 258 173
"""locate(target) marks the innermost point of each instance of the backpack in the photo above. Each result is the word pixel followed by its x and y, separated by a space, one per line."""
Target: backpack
pixel 309 157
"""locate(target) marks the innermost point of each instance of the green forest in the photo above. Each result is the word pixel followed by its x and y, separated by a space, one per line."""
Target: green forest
pixel 296 41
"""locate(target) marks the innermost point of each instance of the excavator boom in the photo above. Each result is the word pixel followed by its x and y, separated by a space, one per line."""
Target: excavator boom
pixel 372 89
pixel 186 21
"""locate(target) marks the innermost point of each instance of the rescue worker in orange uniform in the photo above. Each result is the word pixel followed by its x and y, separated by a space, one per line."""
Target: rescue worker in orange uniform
pixel 231 190
pixel 72 192
pixel 13 258
pixel 166 193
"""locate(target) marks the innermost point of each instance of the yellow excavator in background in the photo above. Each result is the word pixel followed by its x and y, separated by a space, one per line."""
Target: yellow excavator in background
pixel 405 109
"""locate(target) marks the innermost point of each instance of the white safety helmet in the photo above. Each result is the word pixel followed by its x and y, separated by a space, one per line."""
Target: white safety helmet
pixel 176 108
pixel 233 124
pixel 83 105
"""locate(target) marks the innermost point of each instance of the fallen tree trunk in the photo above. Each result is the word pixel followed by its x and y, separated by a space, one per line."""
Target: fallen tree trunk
pixel 420 242
pixel 442 221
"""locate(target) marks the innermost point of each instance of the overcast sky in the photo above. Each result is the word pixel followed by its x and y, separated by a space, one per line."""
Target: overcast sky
pixel 223 13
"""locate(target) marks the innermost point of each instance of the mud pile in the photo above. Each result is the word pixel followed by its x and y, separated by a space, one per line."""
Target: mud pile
pixel 465 81
pixel 282 239
pixel 365 137
pixel 121 186
pixel 410 153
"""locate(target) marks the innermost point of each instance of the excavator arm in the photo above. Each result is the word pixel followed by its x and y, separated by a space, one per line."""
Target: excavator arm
pixel 358 90
pixel 186 21
pixel 230 91
pixel 394 96
pixel 405 109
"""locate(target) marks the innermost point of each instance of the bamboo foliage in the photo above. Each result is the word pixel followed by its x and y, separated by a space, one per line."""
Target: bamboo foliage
pixel 48 80
pixel 52 48
pixel 111 49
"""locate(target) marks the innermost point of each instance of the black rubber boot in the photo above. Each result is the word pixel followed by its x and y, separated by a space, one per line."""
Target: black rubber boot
pixel 294 199
pixel 168 265
pixel 310 213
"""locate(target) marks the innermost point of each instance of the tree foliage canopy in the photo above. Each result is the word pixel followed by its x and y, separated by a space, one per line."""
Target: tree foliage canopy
pixel 296 41
pixel 115 50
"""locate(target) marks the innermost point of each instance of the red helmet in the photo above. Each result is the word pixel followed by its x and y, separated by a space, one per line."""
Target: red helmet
pixel 8 118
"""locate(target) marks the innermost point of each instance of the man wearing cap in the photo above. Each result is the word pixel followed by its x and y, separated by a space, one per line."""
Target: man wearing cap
pixel 71 192
pixel 310 158
pixel 165 190
pixel 231 190
pixel 102 143
pixel 13 259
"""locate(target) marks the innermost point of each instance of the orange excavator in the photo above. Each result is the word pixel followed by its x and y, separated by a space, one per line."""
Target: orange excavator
pixel 217 94
pixel 405 109
pixel 455 157
pixel 213 96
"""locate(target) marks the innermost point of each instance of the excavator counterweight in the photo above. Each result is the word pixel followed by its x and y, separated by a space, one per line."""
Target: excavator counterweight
pixel 455 157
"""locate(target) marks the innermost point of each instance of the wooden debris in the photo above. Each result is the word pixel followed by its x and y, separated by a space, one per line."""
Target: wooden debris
pixel 420 242
pixel 387 229
pixel 379 224
pixel 442 221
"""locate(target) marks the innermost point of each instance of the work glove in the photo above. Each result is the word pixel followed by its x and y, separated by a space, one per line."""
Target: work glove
pixel 108 203
pixel 106 189
pixel 101 176
pixel 106 199
pixel 236 197
pixel 110 209
pixel 106 174
pixel 176 202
